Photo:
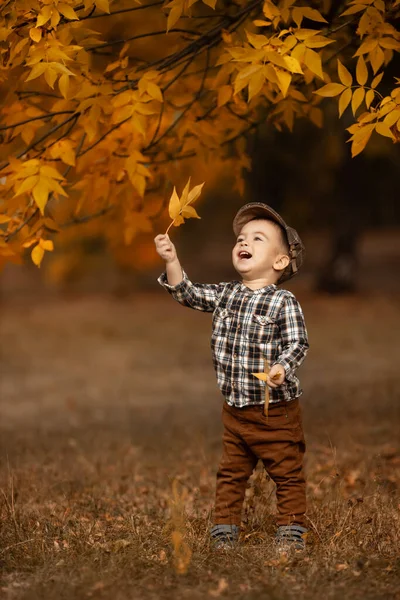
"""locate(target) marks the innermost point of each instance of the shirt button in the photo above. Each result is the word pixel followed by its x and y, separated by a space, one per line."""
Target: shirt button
pixel 233 386
pixel 235 355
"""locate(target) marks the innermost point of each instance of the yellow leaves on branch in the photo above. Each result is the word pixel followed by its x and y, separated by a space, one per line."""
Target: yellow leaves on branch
pixel 38 251
pixel 37 179
pixel 179 208
pixel 385 120
pixel 345 90
pixel 183 7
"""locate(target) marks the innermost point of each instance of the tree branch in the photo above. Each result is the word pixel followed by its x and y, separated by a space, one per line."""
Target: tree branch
pixel 118 12
pixel 61 112
pixel 142 35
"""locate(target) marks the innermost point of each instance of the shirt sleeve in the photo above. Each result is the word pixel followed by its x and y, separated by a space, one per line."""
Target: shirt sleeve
pixel 199 296
pixel 294 336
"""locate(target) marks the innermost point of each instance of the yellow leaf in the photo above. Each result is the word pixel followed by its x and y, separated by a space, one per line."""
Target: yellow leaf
pixel 304 34
pixel 46 245
pixel 367 46
pixel 67 11
pixel 353 9
pixel 103 5
pixel 376 80
pixel 63 149
pixel 344 75
pixel 330 89
pixel 37 71
pixel 174 205
pixel 256 40
pixel 194 193
pixel 174 16
pixel 41 194
pixel 189 211
pixel 63 84
pixel 369 97
pixel 122 113
pixel 50 76
pixel 261 376
pixel 154 91
pixel 313 61
pixel 27 185
pixel 44 16
pixel 318 41
pixel 4 219
pixel 224 95
pixel 256 84
pixel 361 71
pixel 55 18
pixel 177 205
pixel 358 97
pixel 37 255
pixel 51 172
pixel 261 23
pixel 383 129
pixel 293 64
pixel 210 3
pixel 312 14
pixel 360 139
pixel 139 183
pixel 376 58
pixel 389 43
pixel 35 34
pixel 344 100
pixel 392 117
pixel 284 80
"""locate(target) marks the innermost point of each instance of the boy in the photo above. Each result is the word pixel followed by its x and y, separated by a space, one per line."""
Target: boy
pixel 253 319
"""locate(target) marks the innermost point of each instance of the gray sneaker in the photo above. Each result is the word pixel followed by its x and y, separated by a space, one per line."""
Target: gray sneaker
pixel 291 536
pixel 224 537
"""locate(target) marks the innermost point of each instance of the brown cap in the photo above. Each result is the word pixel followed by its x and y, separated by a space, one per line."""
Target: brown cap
pixel 255 210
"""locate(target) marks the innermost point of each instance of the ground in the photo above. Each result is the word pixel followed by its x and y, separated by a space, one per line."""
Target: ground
pixel 105 403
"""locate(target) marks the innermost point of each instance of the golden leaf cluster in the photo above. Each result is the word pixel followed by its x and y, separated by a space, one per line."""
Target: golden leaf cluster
pixel 95 126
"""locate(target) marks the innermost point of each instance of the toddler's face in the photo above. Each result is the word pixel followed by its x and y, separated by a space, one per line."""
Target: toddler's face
pixel 258 249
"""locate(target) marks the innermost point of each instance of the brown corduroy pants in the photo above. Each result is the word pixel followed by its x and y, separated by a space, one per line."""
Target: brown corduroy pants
pixel 279 443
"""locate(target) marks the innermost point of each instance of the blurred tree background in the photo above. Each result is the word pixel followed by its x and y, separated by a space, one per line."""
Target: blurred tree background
pixel 108 105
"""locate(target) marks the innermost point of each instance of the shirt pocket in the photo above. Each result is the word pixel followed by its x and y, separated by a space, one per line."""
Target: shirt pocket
pixel 261 329
pixel 222 321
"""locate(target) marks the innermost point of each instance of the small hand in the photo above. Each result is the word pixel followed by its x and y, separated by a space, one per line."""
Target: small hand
pixel 165 248
pixel 276 376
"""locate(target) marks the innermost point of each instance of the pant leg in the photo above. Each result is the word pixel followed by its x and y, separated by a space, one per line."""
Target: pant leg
pixel 236 466
pixel 279 443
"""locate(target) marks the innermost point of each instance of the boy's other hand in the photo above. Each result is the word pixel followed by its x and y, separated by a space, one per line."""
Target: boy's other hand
pixel 276 376
pixel 165 248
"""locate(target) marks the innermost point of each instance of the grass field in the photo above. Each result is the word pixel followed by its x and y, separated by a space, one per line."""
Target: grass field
pixel 105 403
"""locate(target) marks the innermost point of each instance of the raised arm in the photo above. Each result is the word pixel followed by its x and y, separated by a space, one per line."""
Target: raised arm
pixel 199 296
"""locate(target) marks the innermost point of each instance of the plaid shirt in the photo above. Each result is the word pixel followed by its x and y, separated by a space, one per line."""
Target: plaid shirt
pixel 248 325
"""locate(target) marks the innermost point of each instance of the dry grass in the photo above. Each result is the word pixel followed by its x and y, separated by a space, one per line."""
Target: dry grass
pixel 105 403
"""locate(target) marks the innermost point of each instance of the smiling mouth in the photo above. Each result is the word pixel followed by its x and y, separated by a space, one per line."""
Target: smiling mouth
pixel 244 255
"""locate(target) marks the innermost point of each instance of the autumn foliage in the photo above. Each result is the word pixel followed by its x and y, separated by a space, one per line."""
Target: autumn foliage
pixel 106 105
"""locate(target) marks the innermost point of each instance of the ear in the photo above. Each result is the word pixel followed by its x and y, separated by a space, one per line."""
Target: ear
pixel 281 262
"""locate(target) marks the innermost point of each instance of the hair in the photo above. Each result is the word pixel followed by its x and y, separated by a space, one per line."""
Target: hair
pixel 283 241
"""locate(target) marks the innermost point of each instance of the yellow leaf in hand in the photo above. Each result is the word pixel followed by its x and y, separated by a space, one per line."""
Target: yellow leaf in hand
pixel 179 208
pixel 262 376
pixel 174 205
